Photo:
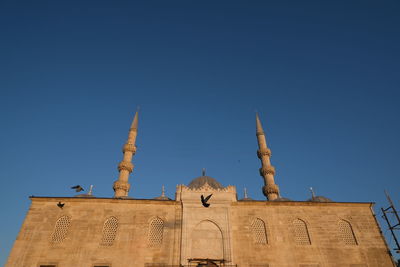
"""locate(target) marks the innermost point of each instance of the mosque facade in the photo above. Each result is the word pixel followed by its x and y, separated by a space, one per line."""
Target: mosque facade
pixel 205 225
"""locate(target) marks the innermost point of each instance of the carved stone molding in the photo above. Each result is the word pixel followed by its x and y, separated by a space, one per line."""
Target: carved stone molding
pixel 270 189
pixel 130 148
pixel 263 152
pixel 118 185
pixel 125 165
pixel 264 170
pixel 206 187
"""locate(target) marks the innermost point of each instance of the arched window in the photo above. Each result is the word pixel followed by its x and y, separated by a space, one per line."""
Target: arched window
pixel 259 231
pixel 110 228
pixel 156 229
pixel 346 233
pixel 301 235
pixel 61 229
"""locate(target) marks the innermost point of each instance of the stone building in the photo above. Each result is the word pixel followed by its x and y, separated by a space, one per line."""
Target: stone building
pixel 205 225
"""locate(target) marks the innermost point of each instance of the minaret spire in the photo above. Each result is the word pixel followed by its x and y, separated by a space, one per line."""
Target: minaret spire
pixel 267 171
pixel 125 167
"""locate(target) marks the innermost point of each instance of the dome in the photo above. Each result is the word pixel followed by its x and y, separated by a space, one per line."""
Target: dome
pixel 319 199
pixel 282 199
pixel 162 198
pixel 202 180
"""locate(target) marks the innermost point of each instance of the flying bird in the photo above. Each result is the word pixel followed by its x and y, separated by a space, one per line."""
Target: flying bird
pixel 60 205
pixel 204 200
pixel 78 188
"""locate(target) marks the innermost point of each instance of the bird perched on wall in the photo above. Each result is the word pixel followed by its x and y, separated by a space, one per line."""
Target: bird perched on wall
pixel 78 188
pixel 204 200
pixel 60 205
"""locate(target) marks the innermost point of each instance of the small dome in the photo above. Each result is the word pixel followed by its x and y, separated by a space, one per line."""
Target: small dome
pixel 319 199
pixel 162 198
pixel 282 199
pixel 202 180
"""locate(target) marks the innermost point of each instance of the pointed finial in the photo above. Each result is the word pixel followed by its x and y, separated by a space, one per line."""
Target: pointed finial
pixel 312 192
pixel 163 191
pixel 203 172
pixel 135 120
pixel 259 128
pixel 90 190
pixel 245 192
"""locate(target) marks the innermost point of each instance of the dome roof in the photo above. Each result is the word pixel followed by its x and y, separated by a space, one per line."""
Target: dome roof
pixel 162 198
pixel 282 199
pixel 319 199
pixel 202 180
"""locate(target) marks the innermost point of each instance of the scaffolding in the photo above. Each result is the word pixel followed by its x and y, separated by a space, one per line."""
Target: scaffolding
pixel 393 223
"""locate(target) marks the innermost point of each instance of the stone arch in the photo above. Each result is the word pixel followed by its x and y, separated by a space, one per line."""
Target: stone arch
pixel 207 241
pixel 346 233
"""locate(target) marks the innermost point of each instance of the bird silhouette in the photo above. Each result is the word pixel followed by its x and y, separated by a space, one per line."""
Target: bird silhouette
pixel 60 205
pixel 204 200
pixel 78 188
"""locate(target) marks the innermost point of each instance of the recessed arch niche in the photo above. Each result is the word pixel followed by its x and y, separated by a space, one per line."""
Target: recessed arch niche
pixel 207 241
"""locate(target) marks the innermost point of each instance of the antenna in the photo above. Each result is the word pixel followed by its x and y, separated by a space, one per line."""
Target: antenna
pixel 245 192
pixel 392 225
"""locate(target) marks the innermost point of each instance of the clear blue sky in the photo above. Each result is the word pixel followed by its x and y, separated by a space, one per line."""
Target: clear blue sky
pixel 324 76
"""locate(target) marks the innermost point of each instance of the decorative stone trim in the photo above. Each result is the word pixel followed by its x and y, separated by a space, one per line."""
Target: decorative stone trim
pixel 271 189
pixel 125 165
pixel 130 148
pixel 263 152
pixel 118 185
pixel 264 170
pixel 206 187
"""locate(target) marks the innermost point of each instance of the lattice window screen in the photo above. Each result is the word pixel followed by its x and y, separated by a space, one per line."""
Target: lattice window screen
pixel 259 231
pixel 110 228
pixel 61 229
pixel 156 232
pixel 301 235
pixel 346 233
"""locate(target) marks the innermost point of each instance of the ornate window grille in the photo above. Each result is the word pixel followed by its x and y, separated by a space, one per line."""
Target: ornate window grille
pixel 259 231
pixel 301 235
pixel 110 228
pixel 61 229
pixel 156 230
pixel 346 233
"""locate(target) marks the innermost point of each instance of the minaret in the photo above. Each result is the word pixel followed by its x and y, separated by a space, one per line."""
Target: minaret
pixel 125 167
pixel 267 171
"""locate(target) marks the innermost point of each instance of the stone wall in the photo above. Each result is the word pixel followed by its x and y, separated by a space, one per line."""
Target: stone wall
pixel 329 244
pixel 132 232
pixel 83 246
